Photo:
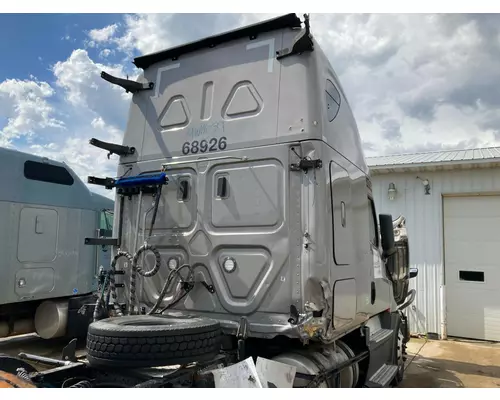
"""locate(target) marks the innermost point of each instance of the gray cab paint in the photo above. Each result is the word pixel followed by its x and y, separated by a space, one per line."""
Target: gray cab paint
pixel 44 225
pixel 288 231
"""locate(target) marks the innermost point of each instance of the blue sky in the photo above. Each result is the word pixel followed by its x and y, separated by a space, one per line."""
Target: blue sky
pixel 416 82
pixel 51 37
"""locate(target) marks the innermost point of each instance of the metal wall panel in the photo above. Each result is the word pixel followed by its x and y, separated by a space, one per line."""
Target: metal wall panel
pixel 424 219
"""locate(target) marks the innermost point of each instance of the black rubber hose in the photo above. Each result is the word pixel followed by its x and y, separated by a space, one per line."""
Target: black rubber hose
pixel 155 211
pixel 167 284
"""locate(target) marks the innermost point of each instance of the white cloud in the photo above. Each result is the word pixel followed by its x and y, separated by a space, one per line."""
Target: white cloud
pixel 420 74
pixel 142 32
pixel 105 53
pixel 146 33
pixel 24 104
pixel 104 34
pixel 5 142
pixel 80 78
pixel 28 109
pixel 98 123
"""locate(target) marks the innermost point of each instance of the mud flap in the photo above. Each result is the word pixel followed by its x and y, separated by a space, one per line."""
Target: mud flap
pixel 245 374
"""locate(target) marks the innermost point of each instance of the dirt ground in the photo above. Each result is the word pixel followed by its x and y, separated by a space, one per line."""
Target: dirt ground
pixel 430 364
pixel 451 364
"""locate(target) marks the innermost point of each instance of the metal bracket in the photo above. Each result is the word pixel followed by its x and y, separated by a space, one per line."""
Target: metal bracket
pixel 102 241
pixel 128 85
pixel 133 191
pixel 210 288
pixel 112 147
pixel 305 164
pixel 105 232
pixel 69 351
pixel 241 335
pixel 302 43
pixel 108 183
pixel 365 331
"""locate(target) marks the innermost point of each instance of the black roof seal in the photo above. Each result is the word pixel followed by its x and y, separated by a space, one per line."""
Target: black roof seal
pixel 252 31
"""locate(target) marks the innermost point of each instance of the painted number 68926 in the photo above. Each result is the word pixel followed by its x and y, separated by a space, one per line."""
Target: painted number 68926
pixel 204 145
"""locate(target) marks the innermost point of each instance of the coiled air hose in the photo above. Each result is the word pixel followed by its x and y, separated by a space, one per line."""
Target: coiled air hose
pixel 138 270
pixel 111 289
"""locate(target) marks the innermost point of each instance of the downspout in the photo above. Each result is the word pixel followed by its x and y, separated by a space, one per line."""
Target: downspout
pixel 442 289
pixel 442 295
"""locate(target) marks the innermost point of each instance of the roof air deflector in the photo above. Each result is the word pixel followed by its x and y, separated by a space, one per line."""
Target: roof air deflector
pixel 286 21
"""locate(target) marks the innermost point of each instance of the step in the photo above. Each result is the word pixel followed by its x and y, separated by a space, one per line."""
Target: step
pixel 382 377
pixel 379 337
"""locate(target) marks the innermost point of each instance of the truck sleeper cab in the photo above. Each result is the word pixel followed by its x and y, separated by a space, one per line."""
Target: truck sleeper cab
pixel 267 197
pixel 47 270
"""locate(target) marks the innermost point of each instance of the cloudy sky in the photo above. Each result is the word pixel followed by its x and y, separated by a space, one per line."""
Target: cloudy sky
pixel 416 82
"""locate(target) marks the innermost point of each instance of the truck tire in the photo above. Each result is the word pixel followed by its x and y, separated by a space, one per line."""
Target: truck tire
pixel 147 341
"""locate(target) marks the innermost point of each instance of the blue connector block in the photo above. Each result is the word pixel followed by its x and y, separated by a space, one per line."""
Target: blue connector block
pixel 142 180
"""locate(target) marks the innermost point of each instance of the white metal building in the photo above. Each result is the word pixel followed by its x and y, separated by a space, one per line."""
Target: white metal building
pixel 451 201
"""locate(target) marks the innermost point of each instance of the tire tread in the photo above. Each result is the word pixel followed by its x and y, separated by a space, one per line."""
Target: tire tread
pixel 167 349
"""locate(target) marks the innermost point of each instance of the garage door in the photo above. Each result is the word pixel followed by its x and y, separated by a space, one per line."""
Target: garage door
pixel 472 266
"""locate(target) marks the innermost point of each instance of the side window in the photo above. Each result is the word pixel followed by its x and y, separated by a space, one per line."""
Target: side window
pixel 38 171
pixel 373 223
pixel 332 101
pixel 106 220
